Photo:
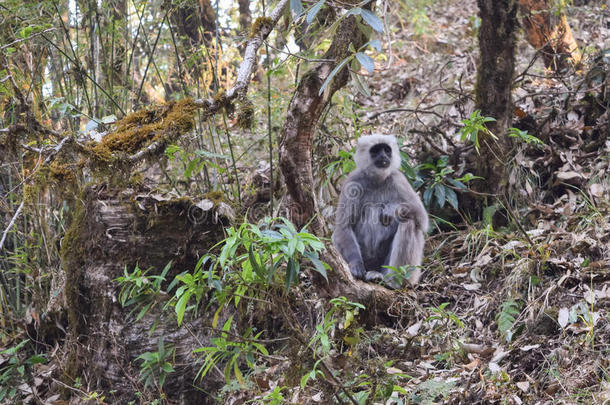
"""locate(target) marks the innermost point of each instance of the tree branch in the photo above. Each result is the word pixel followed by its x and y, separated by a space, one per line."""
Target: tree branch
pixel 246 68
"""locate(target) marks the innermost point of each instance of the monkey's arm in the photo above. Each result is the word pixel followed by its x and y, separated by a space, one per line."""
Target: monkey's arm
pixel 344 237
pixel 410 206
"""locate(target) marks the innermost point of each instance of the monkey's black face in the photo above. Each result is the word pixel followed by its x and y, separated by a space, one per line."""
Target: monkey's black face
pixel 381 155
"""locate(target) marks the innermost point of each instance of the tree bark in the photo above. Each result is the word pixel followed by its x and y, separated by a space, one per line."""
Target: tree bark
pixel 299 128
pixel 493 89
pixel 549 33
pixel 195 20
pixel 111 231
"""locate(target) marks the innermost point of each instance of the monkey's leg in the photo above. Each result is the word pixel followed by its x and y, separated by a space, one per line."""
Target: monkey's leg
pixel 407 249
pixel 347 244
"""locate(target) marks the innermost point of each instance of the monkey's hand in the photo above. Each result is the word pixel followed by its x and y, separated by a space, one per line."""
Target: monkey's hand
pixel 404 213
pixel 356 267
pixel 388 280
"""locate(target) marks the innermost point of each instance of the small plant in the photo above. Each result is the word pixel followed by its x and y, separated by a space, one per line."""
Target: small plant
pixel 341 315
pixel 401 274
pixel 15 370
pixel 156 366
pixel 524 137
pixel 231 352
pixel 249 257
pixel 506 318
pixel 473 126
pixel 444 315
pixel 275 397
pixel 324 331
pixel 344 164
pixel 142 290
pixel 440 185
pixel 418 15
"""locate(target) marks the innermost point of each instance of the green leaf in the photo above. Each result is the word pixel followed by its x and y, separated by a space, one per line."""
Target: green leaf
pixel 296 6
pixel 258 269
pixel 366 61
pixel 318 265
pixel 181 306
pixel 371 19
pixel 428 196
pixel 361 86
pixel 333 73
pixel 292 270
pixel 314 10
pixel 452 198
pixel 439 192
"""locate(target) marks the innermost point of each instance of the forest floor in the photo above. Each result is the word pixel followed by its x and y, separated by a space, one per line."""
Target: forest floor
pixel 514 314
pixel 530 313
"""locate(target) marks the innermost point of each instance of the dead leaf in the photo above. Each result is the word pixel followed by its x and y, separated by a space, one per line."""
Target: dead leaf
pixel 523 385
pixel 205 204
pixel 596 190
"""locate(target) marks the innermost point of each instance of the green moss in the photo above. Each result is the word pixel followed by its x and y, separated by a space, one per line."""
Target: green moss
pixel 245 113
pixel 222 101
pixel 141 128
pixel 72 253
pixel 216 197
pixel 258 24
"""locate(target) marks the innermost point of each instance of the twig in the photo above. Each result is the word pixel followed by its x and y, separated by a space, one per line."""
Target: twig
pixel 15 42
pixel 10 225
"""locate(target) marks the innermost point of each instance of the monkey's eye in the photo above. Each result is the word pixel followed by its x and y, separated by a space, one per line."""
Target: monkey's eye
pixel 381 147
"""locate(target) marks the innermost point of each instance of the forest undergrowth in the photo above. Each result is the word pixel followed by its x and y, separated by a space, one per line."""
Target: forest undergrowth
pixel 514 303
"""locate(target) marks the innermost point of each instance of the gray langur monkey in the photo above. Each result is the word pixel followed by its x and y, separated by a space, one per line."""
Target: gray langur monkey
pixel 380 220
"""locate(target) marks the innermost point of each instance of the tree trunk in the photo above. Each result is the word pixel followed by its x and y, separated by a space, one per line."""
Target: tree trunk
pixel 549 33
pixel 299 129
pixel 195 20
pixel 295 163
pixel 245 17
pixel 111 231
pixel 493 89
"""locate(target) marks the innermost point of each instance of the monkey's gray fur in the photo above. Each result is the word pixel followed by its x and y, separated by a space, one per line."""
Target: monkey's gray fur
pixel 380 220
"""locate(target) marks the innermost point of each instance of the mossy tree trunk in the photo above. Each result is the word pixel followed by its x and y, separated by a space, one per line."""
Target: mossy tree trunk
pixel 493 89
pixel 112 230
pixel 550 33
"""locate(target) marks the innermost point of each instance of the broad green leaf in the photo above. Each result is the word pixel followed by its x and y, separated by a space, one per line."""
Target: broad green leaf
pixel 366 61
pixel 318 265
pixel 371 19
pixel 439 192
pixel 291 272
pixel 452 198
pixel 181 306
pixel 314 10
pixel 333 73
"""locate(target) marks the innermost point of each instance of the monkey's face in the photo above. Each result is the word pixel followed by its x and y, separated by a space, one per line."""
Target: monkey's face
pixel 381 155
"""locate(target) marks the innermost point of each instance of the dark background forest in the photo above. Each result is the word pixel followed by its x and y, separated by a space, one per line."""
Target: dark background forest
pixel 169 175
